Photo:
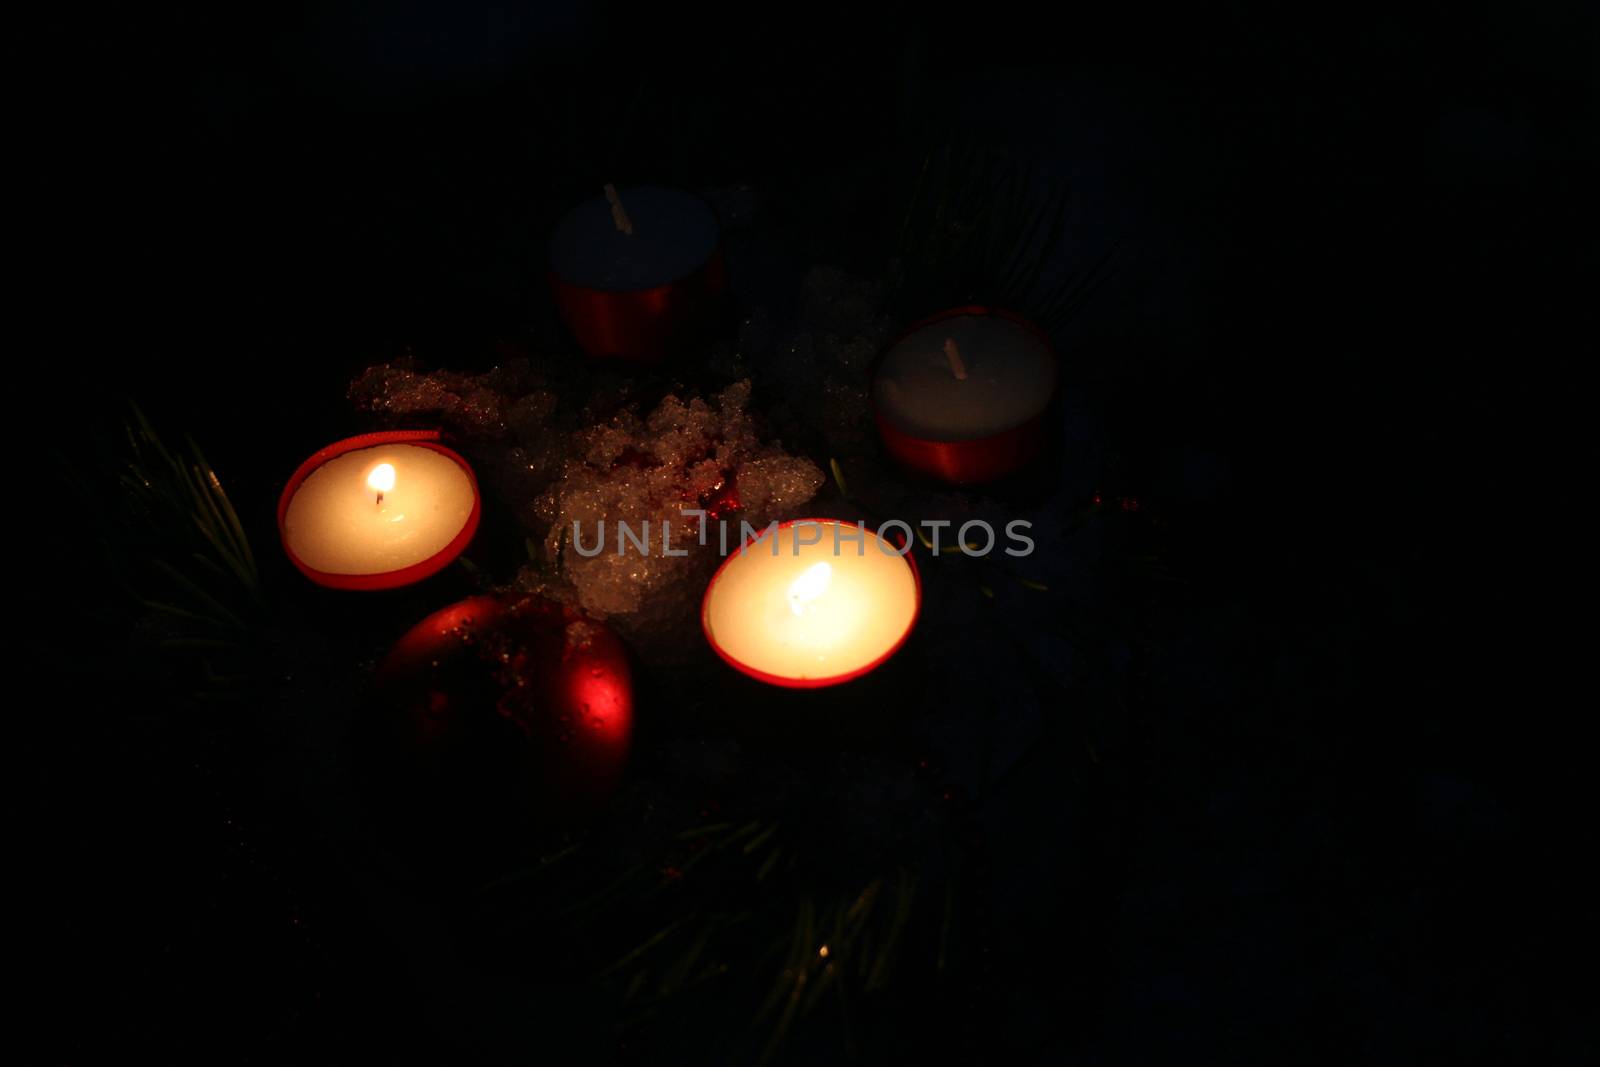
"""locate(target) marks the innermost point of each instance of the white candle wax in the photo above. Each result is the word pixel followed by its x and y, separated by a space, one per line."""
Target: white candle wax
pixel 673 234
pixel 814 615
pixel 377 510
pixel 999 376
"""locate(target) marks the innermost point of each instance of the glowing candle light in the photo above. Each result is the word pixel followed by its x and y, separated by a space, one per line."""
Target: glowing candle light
pixel 815 602
pixel 381 479
pixel 812 583
pixel 378 511
pixel 961 396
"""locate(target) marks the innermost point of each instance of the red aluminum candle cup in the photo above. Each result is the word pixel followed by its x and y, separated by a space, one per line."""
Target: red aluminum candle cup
pixel 401 576
pixel 751 606
pixel 972 460
pixel 645 295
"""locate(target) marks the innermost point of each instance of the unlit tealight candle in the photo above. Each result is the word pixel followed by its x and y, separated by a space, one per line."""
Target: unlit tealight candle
pixel 632 240
pixel 963 378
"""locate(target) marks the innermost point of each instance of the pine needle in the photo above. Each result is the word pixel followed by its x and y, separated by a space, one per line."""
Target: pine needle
pixel 838 478
pixel 198 567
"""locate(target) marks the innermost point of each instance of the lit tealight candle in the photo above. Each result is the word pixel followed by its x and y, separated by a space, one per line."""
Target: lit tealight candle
pixel 816 602
pixel 378 511
pixel 961 396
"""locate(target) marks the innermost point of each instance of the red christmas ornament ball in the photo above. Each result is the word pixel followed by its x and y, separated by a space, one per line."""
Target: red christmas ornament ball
pixel 510 705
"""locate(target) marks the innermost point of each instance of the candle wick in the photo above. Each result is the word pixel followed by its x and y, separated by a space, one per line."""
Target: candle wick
pixel 953 354
pixel 619 214
pixel 380 498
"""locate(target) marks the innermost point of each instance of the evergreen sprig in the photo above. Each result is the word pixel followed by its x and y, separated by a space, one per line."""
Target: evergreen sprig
pixel 982 229
pixel 744 912
pixel 201 574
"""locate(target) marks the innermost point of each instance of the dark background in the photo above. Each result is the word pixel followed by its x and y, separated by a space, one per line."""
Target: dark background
pixel 1356 277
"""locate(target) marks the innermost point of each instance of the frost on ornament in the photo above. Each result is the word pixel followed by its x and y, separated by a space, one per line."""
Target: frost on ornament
pixel 644 473
pixel 580 634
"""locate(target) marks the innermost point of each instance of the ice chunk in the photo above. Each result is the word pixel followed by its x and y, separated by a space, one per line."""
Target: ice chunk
pixel 687 453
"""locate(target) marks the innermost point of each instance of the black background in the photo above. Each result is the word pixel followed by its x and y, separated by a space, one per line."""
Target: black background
pixel 1361 275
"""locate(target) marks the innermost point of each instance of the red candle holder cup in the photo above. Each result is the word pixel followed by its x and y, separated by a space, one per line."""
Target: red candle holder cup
pixel 784 681
pixel 412 574
pixel 643 325
pixel 972 461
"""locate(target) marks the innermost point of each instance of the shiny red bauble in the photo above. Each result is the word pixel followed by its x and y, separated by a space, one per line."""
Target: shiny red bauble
pixel 507 705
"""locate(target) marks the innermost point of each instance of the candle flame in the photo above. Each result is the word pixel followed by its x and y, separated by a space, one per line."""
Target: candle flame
pixel 812 583
pixel 381 479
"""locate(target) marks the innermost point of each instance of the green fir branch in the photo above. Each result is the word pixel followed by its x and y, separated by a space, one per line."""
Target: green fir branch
pixel 979 229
